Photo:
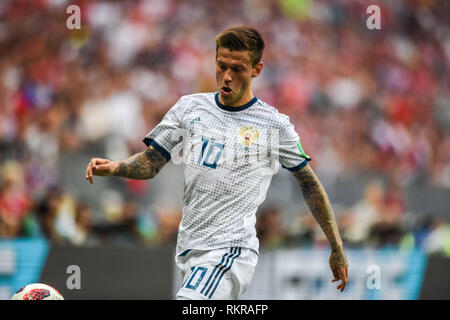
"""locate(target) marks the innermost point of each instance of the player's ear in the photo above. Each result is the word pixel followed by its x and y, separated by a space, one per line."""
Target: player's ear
pixel 257 69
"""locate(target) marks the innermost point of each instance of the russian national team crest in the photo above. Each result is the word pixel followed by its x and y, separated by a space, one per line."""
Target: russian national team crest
pixel 248 135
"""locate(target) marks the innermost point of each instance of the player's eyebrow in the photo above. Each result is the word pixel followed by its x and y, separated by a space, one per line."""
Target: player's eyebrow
pixel 232 65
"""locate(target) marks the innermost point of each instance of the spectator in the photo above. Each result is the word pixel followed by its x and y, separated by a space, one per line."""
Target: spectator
pixel 269 228
pixel 14 201
pixel 47 212
pixel 85 234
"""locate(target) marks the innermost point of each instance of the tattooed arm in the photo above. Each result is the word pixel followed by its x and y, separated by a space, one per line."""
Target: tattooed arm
pixel 319 204
pixel 143 165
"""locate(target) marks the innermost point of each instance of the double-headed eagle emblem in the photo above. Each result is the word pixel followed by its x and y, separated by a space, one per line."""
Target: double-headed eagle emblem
pixel 248 135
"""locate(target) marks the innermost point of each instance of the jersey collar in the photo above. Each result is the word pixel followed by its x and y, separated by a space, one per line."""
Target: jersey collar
pixel 240 108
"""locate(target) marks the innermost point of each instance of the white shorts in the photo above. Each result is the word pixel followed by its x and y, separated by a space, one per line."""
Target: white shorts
pixel 220 274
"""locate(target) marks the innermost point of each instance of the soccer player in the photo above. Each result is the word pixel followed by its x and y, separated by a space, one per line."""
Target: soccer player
pixel 229 139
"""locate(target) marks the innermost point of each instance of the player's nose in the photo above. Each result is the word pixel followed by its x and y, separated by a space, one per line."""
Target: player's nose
pixel 227 76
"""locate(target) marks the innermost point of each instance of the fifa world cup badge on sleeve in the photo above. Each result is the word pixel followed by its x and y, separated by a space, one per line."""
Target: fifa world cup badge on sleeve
pixel 302 153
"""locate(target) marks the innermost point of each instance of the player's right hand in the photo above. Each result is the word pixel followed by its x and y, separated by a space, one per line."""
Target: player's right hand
pixel 99 167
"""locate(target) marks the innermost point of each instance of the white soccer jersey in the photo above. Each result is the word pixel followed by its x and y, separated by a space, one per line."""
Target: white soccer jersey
pixel 229 156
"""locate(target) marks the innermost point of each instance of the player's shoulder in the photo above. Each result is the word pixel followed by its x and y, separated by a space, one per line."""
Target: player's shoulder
pixel 187 104
pixel 279 118
pixel 200 97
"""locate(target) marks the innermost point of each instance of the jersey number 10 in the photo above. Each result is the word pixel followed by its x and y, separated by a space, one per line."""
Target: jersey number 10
pixel 209 149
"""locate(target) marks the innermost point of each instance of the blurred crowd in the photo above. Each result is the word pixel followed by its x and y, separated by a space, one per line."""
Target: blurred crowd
pixel 362 101
pixel 378 220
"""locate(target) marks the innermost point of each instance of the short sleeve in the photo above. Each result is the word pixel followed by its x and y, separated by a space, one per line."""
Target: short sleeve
pixel 166 135
pixel 291 154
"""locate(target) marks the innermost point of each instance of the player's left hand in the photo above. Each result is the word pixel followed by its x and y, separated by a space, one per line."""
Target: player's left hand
pixel 339 267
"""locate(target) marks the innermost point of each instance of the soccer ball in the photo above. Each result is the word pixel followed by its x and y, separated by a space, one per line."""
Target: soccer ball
pixel 37 291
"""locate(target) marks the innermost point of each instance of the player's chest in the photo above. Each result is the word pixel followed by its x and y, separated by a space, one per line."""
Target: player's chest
pixel 229 129
pixel 213 138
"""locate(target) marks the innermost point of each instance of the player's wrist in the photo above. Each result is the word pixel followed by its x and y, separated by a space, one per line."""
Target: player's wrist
pixel 115 167
pixel 338 246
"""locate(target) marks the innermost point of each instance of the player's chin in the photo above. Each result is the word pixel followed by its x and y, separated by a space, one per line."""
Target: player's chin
pixel 228 99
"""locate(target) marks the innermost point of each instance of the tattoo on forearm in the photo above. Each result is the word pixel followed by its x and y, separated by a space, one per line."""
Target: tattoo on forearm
pixel 143 165
pixel 319 204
